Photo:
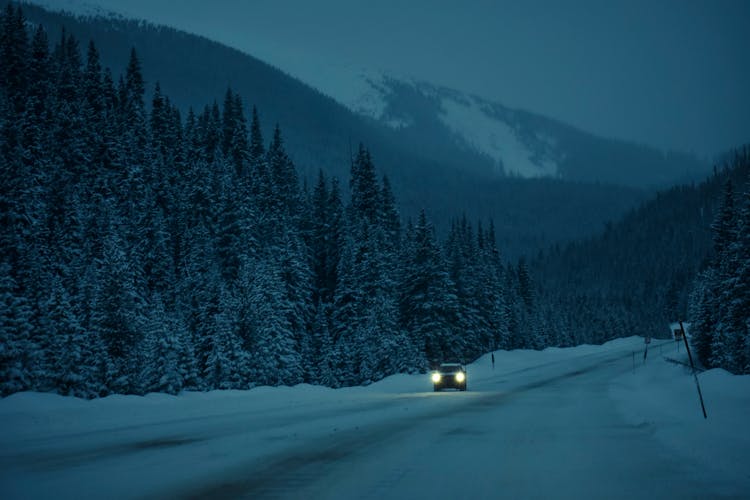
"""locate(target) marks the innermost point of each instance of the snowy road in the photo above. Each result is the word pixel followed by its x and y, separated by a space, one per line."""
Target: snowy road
pixel 539 426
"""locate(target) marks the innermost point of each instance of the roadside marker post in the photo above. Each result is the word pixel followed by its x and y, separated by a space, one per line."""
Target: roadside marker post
pixel 695 375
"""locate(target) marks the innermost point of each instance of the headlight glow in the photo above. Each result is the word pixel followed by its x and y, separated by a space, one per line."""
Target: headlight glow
pixel 460 377
pixel 436 377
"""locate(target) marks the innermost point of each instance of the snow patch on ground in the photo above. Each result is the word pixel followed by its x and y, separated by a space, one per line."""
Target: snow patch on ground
pixel 32 413
pixel 662 395
pixel 494 138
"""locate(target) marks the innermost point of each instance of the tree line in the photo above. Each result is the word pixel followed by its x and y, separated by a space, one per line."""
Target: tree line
pixel 143 251
pixel 680 256
pixel 720 299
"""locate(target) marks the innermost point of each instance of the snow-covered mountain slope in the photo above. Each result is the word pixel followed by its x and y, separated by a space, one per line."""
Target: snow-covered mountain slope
pixel 517 143
pixel 474 123
pixel 425 166
pixel 439 124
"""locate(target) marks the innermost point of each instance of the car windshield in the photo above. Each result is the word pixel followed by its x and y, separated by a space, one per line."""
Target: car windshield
pixel 450 368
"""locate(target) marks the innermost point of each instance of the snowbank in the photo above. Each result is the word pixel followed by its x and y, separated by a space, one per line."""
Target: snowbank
pixel 662 396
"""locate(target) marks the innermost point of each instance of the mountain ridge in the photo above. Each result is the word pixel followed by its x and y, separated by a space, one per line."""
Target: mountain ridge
pixel 519 142
pixel 319 133
pixel 498 139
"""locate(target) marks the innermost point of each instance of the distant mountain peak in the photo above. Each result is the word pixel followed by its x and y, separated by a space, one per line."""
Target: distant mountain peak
pixel 453 127
pixel 516 143
pixel 472 122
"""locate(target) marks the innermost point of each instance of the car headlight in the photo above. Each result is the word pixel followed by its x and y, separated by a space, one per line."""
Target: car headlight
pixel 460 377
pixel 436 377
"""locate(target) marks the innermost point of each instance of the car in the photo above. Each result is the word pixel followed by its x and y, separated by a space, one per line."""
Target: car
pixel 449 375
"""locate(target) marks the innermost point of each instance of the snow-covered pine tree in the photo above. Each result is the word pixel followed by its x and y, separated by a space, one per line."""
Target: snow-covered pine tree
pixel 525 287
pixel 334 239
pixel 117 317
pixel 274 358
pixel 465 273
pixel 134 118
pixel 427 304
pixel 319 241
pixel 345 317
pixel 739 309
pixel 515 313
pixel 227 364
pixel 228 218
pixel 169 366
pixel 74 357
pixel 286 195
pixel 257 150
pixel 14 46
pixel 322 370
pixel 18 355
pixel 390 220
pixel 492 296
pixel 731 234
pixel 366 196
pixel 293 261
pixel 724 229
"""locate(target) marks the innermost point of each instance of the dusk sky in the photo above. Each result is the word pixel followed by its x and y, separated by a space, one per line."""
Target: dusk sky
pixel 673 74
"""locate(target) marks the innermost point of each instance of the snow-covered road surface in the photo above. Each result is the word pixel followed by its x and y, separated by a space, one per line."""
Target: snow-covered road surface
pixel 562 423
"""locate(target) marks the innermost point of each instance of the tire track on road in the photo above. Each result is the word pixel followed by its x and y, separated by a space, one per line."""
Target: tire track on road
pixel 286 474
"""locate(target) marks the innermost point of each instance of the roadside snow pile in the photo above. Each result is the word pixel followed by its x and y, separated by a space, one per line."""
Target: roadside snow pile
pixel 32 411
pixel 662 395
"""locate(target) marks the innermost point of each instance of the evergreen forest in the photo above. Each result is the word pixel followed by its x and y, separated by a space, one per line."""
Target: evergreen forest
pixel 680 257
pixel 144 251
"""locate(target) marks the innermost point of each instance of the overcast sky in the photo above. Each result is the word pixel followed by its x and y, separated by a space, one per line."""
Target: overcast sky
pixel 671 73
